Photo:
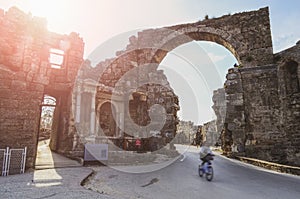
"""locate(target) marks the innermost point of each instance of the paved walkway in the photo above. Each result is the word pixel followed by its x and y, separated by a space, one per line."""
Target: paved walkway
pixel 55 177
pixel 46 159
pixel 48 183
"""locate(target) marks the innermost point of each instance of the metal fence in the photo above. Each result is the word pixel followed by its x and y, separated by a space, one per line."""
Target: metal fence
pixel 12 161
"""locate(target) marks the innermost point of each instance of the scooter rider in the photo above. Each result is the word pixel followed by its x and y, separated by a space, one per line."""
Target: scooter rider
pixel 206 154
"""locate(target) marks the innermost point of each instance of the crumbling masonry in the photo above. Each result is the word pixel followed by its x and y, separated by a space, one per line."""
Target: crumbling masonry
pixel 262 107
pixel 26 75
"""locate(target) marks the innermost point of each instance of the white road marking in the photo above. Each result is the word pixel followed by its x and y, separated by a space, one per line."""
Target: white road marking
pixel 183 158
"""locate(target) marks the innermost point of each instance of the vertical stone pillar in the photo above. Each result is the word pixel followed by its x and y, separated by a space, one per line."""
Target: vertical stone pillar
pixel 121 120
pixel 235 113
pixel 78 102
pixel 93 116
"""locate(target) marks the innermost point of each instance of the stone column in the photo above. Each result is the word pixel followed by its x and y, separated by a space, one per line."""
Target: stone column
pixel 121 119
pixel 93 116
pixel 78 102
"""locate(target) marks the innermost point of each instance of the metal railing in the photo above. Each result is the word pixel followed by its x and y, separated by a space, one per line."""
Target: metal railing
pixel 13 161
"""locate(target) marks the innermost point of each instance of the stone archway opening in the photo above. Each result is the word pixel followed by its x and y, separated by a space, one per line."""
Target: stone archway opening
pixel 197 72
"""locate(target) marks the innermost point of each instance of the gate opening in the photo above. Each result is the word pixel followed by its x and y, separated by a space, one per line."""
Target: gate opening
pixel 46 121
pixel 197 71
pixel 45 130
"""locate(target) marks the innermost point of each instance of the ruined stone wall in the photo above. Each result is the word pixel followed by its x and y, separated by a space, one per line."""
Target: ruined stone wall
pixel 219 108
pixel 265 139
pixel 272 108
pixel 234 123
pixel 138 85
pixel 26 75
pixel 145 87
pixel 162 94
pixel 132 90
pixel 210 133
pixel 189 133
pixel 289 97
pixel 262 109
pixel 252 122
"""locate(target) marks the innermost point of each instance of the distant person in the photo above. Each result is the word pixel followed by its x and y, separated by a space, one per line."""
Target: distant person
pixel 138 144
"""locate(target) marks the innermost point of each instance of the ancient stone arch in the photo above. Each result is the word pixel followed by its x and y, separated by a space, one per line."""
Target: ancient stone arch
pixel 260 123
pixel 246 35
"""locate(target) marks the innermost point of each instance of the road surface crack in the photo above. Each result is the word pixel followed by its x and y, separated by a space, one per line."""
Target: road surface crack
pixel 154 180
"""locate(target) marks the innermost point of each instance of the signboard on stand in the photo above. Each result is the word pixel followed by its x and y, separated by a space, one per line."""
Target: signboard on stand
pixel 95 152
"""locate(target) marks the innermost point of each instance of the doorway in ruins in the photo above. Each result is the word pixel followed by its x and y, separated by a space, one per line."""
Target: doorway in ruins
pixel 46 126
pixel 46 120
pixel 197 72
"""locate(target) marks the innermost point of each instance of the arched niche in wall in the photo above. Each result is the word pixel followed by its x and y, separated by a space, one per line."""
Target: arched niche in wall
pixel 106 119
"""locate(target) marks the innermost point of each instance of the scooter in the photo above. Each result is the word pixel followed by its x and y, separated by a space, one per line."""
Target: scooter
pixel 206 169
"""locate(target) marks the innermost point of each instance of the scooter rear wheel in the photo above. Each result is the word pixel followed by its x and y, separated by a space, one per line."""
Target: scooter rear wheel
pixel 210 173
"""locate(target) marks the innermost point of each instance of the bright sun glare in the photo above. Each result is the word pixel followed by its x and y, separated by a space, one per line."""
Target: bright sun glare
pixel 52 10
pixel 56 12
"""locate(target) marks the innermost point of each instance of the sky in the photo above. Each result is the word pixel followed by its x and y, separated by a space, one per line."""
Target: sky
pixel 195 69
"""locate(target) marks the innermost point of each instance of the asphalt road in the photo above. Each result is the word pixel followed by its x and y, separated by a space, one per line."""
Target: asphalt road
pixel 232 179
